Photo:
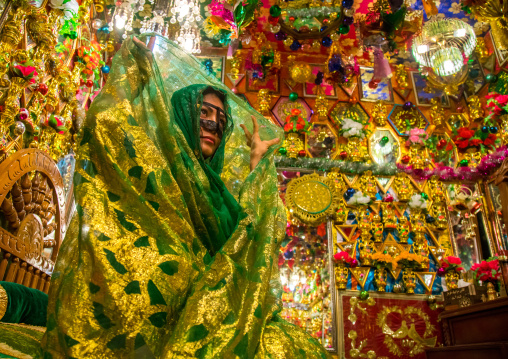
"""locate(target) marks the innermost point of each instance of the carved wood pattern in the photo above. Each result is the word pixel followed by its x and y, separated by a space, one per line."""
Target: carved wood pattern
pixel 32 202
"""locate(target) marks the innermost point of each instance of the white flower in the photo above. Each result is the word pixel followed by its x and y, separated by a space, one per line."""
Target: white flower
pixel 70 8
pixel 455 8
pixel 417 202
pixel 351 128
pixel 359 198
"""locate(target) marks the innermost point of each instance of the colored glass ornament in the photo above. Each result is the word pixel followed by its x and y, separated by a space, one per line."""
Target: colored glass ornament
pixel 275 11
pixel 491 78
pixel 293 96
pixel 485 129
pixel 463 163
pixel 105 69
pixel 326 41
pixel 364 295
pixel 344 29
pixel 295 45
pixel 283 151
pixel 425 196
pixel 493 129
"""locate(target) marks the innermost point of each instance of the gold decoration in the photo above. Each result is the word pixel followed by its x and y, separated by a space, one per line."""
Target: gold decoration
pixel 427 280
pixel 437 114
pixel 364 223
pixel 299 72
pixel 481 50
pixel 357 150
pixel 380 277
pixel 263 101
pixel 341 275
pixel 12 103
pixel 417 155
pixel 491 292
pixel 409 280
pixel 407 337
pixel 408 118
pixel 389 217
pixel 379 113
pixel 322 107
pixel 438 211
pixel 475 108
pixel 495 13
pixel 451 279
pixel 435 190
pixel 403 229
pixel 312 198
pixel 4 301
pixel 377 229
pixel 367 184
pixel 403 186
pixel 367 249
pixel 360 274
pixel 401 76
pixel 293 145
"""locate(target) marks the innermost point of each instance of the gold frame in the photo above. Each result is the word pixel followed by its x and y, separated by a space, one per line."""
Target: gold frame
pixel 394 135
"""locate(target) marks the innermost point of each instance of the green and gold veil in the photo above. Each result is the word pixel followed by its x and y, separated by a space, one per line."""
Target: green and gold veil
pixel 168 253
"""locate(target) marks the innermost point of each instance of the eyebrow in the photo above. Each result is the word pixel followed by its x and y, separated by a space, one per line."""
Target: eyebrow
pixel 218 109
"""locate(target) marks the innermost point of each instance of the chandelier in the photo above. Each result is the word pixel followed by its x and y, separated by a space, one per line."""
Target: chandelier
pixel 443 45
pixel 183 15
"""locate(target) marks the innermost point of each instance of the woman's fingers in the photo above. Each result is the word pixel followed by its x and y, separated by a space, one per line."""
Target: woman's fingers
pixel 273 142
pixel 248 135
pixel 255 124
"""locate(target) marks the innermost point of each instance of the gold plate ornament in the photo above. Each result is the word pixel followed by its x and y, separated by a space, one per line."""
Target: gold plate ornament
pixel 312 198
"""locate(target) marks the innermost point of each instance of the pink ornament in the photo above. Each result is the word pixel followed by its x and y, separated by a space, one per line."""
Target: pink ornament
pixel 441 272
pixel 234 90
pixel 353 263
pixel 23 114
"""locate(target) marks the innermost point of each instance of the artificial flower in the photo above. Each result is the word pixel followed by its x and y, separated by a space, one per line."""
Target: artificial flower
pixel 490 140
pixel 26 72
pixel 351 128
pixel 359 199
pixel 475 142
pixel 416 136
pixel 295 111
pixel 342 257
pixel 417 202
pixel 465 133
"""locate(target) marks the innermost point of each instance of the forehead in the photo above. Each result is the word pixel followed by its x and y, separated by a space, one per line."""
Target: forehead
pixel 214 100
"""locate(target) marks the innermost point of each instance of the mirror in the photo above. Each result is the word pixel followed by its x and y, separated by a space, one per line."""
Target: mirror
pixel 384 147
pixel 321 141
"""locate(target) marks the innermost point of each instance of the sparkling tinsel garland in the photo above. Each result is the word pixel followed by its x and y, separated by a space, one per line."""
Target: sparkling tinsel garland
pixel 325 164
pixel 487 166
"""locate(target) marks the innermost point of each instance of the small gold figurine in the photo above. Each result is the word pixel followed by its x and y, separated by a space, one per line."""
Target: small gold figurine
pixel 439 213
pixel 367 249
pixel 403 228
pixel 377 229
pixel 436 190
pixel 389 217
pixel 263 102
pixel 364 224
pixel 321 106
pixel 475 108
pixel 402 185
pixel 401 75
pixel 437 114
pixel 367 184
pixel 379 113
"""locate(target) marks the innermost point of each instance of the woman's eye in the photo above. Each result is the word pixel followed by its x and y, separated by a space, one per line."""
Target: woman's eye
pixel 203 112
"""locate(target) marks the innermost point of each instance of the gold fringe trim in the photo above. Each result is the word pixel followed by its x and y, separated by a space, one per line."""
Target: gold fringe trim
pixel 4 300
pixel 7 350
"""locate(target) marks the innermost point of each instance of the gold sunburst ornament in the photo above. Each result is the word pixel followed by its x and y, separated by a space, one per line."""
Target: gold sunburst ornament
pixel 312 198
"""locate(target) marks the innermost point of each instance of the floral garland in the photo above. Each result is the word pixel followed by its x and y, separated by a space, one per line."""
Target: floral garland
pixel 466 138
pixel 488 164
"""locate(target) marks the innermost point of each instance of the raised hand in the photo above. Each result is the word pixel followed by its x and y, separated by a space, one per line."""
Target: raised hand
pixel 258 148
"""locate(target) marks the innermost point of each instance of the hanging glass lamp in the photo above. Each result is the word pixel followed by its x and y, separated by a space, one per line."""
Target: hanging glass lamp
pixel 443 45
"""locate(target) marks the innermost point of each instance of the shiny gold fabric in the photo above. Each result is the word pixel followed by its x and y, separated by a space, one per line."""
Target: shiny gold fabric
pixel 132 272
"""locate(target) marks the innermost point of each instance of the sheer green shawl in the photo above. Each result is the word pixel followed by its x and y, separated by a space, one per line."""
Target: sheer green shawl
pixel 133 271
pixel 186 104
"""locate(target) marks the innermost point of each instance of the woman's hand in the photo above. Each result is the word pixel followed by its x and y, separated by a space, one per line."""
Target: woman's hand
pixel 258 148
pixel 146 49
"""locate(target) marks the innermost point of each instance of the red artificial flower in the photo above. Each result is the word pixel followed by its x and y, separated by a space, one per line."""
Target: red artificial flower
pixel 490 140
pixel 462 143
pixel 449 147
pixel 454 260
pixel 445 265
pixel 299 126
pixel 288 127
pixel 296 112
pixel 342 256
pixel 475 142
pixel 465 133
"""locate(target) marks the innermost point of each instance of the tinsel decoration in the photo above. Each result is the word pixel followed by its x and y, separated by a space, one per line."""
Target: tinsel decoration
pixel 488 164
pixel 325 164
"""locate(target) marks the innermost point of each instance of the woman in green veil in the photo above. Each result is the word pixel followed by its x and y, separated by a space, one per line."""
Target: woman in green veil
pixel 173 251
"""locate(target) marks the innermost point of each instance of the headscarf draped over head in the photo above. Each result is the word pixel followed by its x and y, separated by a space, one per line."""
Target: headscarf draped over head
pixel 187 103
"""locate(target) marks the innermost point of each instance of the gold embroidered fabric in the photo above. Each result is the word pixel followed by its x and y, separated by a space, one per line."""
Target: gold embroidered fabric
pixel 4 300
pixel 132 271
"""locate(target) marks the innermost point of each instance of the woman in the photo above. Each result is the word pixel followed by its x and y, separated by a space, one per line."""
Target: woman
pixel 162 260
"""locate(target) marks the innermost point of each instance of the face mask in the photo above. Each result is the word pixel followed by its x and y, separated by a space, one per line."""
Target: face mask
pixel 213 126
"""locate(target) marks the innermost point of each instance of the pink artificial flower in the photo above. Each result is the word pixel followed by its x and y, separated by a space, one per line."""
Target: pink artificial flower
pixel 27 72
pixel 416 136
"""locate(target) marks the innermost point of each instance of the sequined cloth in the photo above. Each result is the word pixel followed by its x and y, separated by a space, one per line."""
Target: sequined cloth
pixel 132 271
